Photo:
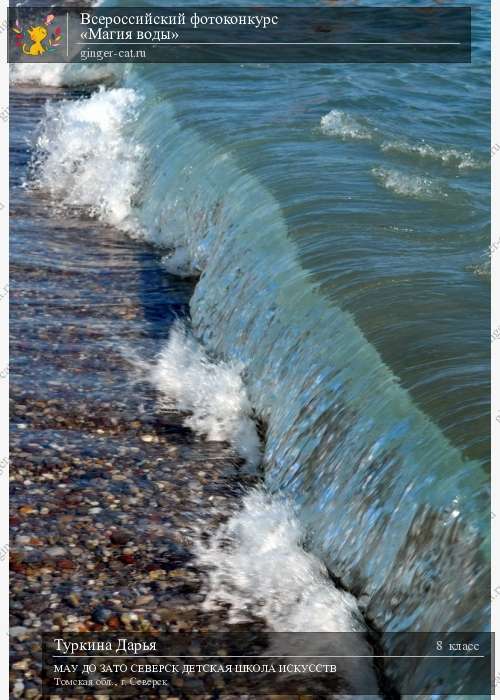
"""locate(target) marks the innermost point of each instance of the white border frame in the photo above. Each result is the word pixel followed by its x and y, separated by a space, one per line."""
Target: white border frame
pixel 4 358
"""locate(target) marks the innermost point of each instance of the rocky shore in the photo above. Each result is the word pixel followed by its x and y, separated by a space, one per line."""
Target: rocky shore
pixel 107 493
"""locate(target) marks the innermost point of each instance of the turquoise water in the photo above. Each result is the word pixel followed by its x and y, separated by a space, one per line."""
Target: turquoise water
pixel 338 217
pixel 399 255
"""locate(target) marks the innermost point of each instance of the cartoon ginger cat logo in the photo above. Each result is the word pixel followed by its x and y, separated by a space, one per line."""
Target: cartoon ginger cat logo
pixel 36 41
pixel 37 35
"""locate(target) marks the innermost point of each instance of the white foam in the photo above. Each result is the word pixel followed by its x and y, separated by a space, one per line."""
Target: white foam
pixel 64 74
pixel 448 156
pixel 179 262
pixel 408 184
pixel 212 392
pixel 344 126
pixel 84 158
pixel 256 562
pixel 256 565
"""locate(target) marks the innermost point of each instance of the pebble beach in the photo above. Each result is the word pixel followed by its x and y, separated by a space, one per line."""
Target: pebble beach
pixel 107 492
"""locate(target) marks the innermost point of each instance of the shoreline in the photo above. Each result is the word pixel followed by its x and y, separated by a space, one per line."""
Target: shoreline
pixel 105 490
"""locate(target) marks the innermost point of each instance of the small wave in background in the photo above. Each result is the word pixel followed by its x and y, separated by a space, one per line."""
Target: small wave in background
pixel 337 123
pixel 448 156
pixel 409 185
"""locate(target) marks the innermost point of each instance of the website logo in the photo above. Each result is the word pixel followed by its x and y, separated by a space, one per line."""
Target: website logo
pixel 38 39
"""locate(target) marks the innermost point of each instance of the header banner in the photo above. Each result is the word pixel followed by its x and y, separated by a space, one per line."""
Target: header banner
pixel 242 35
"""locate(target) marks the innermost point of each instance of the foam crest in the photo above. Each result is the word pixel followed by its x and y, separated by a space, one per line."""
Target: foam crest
pixel 84 157
pixel 64 74
pixel 256 565
pixel 212 392
pixel 255 561
pixel 344 126
pixel 408 184
pixel 447 156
